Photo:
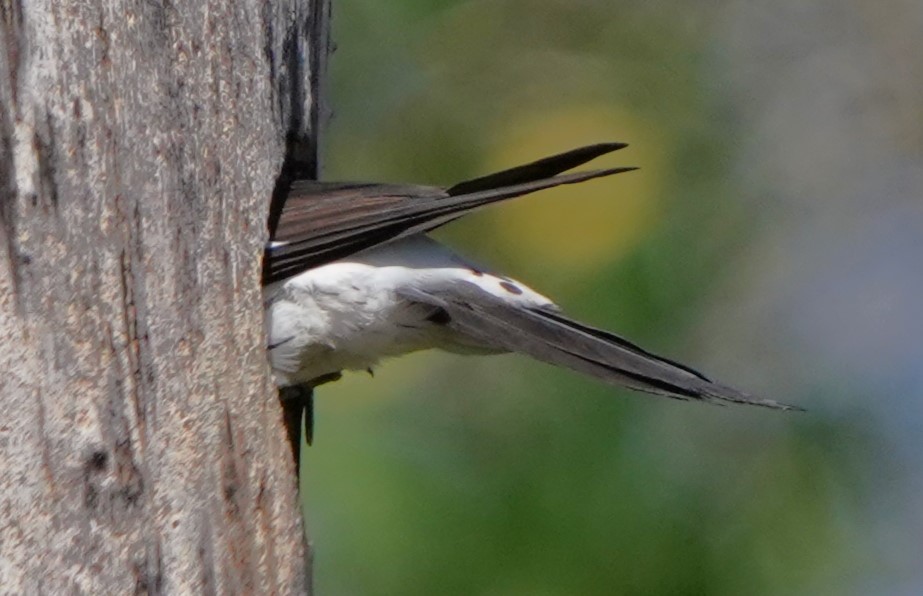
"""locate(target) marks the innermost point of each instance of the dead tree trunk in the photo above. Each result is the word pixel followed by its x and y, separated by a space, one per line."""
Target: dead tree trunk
pixel 141 440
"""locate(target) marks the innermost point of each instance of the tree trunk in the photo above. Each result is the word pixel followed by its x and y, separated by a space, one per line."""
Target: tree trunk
pixel 141 441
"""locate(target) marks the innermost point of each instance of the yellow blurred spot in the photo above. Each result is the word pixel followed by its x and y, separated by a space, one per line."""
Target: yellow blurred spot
pixel 588 224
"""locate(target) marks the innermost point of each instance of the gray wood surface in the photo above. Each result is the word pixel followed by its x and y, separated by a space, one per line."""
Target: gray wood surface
pixel 141 443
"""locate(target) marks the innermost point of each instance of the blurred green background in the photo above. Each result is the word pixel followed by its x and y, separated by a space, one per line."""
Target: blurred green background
pixel 771 238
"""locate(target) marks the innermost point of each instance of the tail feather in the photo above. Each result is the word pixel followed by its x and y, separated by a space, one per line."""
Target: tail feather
pixel 536 170
pixel 321 222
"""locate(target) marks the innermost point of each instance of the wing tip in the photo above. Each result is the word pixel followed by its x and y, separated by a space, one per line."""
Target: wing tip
pixel 722 394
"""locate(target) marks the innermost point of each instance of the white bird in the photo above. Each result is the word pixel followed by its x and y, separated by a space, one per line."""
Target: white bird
pixel 351 278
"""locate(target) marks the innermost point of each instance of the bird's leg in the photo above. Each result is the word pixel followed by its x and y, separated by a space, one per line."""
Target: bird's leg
pixel 297 403
pixel 327 378
pixel 297 400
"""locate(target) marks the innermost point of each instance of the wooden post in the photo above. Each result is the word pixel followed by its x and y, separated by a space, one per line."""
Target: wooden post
pixel 141 440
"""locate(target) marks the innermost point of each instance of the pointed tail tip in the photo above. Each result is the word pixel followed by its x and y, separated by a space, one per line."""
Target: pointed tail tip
pixel 590 174
pixel 613 146
pixel 599 149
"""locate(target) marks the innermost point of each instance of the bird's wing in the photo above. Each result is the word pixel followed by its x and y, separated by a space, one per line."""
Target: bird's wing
pixel 553 338
pixel 323 221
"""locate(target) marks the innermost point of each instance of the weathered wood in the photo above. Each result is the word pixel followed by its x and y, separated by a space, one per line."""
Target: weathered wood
pixel 141 444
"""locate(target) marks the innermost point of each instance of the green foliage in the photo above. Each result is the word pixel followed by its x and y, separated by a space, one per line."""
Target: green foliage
pixel 449 475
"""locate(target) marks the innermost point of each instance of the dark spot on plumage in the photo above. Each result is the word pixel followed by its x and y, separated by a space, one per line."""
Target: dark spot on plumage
pixel 511 287
pixel 477 273
pixel 440 317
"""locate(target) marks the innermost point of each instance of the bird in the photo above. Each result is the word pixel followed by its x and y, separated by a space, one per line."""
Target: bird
pixel 350 278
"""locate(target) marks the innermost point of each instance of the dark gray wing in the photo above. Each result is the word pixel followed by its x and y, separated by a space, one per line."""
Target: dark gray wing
pixel 320 222
pixel 553 338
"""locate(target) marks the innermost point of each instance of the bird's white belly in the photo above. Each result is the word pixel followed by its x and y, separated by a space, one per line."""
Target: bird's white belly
pixel 348 315
pixel 339 318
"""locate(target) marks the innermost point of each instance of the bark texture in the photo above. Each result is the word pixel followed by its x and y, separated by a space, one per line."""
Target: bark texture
pixel 141 441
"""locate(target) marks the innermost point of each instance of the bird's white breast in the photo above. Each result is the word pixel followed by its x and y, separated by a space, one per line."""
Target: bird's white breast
pixel 347 315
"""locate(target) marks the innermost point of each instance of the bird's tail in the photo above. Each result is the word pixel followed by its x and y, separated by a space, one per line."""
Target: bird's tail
pixel 324 221
pixel 536 171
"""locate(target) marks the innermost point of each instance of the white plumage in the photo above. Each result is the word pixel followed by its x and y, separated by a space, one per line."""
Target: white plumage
pixel 348 315
pixel 351 279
